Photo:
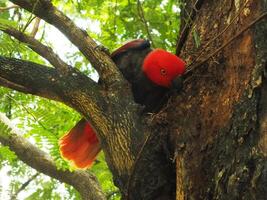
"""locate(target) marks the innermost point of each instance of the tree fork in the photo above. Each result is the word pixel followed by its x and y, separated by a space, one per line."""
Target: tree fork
pixel 126 129
pixel 122 132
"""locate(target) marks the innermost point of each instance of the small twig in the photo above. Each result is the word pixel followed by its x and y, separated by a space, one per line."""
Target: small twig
pixel 217 36
pixel 44 51
pixel 31 18
pixel 184 34
pixel 162 110
pixel 144 21
pixel 107 70
pixel 2 9
pixel 24 185
pixel 35 27
pixel 135 164
pixel 28 23
pixel 115 17
pixel 138 157
pixel 228 42
pixel 43 163
pixel 196 5
pixel 30 113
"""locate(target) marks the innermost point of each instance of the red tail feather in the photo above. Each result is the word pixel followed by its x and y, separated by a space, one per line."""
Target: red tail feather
pixel 80 145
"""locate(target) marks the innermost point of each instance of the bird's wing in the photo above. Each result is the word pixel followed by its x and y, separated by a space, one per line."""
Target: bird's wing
pixel 134 44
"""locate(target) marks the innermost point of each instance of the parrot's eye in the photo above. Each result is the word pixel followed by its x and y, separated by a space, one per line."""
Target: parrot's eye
pixel 163 72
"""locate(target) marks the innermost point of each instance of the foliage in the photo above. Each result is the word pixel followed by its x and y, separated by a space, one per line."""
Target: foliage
pixel 43 121
pixel 120 21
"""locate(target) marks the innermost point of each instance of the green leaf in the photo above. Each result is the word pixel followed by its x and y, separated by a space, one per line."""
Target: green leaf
pixel 7 23
pixel 196 38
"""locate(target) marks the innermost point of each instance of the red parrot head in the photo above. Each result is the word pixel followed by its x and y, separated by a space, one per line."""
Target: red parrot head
pixel 162 67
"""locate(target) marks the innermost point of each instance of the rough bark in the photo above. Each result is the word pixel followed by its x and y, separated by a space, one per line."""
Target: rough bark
pixel 140 171
pixel 217 125
pixel 44 9
pixel 121 136
pixel 219 122
pixel 145 174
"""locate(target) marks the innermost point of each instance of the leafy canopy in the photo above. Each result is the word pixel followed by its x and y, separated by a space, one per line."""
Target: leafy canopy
pixel 111 23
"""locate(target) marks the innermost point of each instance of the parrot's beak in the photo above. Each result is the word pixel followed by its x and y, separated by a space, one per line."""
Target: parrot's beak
pixel 177 83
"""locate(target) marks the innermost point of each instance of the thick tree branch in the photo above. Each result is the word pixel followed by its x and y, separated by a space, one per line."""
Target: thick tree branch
pixel 8 84
pixel 74 89
pixel 28 77
pixel 83 181
pixel 109 107
pixel 112 123
pixel 46 82
pixel 100 60
pixel 44 51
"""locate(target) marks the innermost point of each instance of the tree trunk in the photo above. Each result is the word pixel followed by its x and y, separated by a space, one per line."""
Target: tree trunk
pixel 219 122
pixel 217 125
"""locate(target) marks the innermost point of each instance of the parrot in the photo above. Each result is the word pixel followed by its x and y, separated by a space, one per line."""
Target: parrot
pixel 152 73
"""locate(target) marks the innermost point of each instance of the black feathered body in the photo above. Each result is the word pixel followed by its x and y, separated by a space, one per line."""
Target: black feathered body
pixel 145 92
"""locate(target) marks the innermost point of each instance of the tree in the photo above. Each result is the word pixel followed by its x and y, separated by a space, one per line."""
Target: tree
pixel 218 122
pixel 215 128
